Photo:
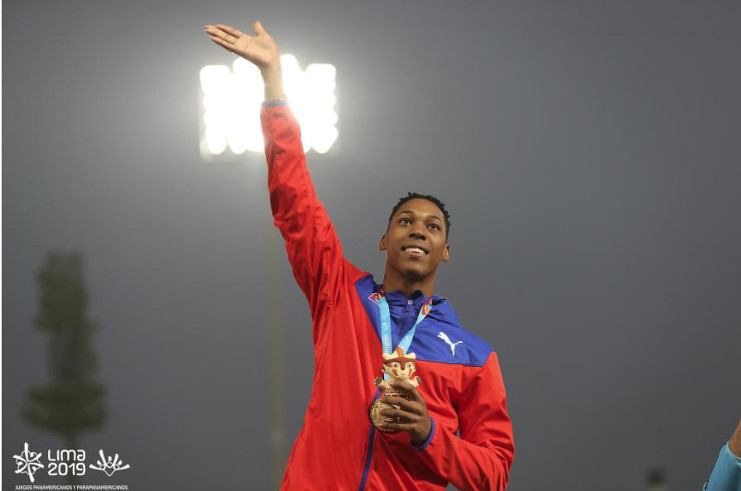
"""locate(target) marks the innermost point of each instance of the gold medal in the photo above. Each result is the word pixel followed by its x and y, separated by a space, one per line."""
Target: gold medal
pixel 398 366
pixel 376 417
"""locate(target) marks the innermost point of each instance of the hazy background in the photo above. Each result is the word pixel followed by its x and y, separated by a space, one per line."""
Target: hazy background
pixel 588 152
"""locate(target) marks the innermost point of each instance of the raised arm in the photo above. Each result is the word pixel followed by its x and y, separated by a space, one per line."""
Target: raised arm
pixel 314 250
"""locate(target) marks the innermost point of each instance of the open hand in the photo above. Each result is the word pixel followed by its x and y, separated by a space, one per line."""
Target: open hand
pixel 412 415
pixel 261 49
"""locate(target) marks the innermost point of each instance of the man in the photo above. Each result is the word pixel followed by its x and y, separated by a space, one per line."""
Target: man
pixel 726 474
pixel 412 444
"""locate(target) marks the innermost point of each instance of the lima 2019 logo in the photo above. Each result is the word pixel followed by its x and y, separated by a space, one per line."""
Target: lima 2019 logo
pixel 65 462
pixel 109 466
pixel 28 462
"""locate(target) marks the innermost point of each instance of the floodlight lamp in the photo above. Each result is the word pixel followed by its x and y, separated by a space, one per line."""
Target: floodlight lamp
pixel 231 100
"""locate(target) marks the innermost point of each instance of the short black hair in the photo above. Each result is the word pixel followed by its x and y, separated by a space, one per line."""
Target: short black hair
pixel 428 197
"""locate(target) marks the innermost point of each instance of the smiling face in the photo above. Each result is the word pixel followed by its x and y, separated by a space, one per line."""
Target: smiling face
pixel 415 241
pixel 398 364
pixel 401 371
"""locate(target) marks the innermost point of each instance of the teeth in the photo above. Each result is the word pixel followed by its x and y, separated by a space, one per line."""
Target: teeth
pixel 415 249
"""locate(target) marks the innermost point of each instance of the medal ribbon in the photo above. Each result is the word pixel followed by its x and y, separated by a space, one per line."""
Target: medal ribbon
pixel 386 326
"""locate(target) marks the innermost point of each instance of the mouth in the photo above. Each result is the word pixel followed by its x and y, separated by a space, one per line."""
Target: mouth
pixel 415 251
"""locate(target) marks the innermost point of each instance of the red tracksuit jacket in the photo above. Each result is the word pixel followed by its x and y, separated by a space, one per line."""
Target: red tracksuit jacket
pixel 338 449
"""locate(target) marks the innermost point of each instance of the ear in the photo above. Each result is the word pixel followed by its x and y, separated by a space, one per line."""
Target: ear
pixel 446 253
pixel 383 243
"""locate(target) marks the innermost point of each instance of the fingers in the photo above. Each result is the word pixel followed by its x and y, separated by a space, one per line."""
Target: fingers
pixel 224 44
pixel 399 420
pixel 230 30
pixel 409 406
pixel 258 29
pixel 224 36
pixel 407 389
pixel 216 32
pixel 222 29
pixel 398 415
pixel 399 426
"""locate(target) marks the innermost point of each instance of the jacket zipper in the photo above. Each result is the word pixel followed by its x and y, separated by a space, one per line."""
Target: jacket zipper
pixel 369 453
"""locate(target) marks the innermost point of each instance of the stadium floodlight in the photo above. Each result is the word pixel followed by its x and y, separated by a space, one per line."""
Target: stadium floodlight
pixel 231 99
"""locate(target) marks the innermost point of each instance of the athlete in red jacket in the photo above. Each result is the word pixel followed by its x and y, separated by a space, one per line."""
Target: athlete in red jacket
pixel 461 392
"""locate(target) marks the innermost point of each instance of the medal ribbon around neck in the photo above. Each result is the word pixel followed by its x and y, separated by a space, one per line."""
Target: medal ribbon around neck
pixel 406 341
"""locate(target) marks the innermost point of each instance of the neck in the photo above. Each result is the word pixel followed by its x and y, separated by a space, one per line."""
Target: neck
pixel 407 286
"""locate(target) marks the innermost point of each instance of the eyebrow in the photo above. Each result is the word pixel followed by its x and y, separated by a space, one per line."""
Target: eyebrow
pixel 414 214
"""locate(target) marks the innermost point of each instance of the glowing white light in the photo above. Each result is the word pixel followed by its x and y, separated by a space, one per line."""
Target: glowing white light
pixel 215 142
pixel 231 100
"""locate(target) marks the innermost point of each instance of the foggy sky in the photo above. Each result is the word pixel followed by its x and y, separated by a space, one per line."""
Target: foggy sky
pixel 588 152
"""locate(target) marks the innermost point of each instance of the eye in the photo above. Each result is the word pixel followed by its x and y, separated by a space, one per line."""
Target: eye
pixel 434 226
pixel 404 220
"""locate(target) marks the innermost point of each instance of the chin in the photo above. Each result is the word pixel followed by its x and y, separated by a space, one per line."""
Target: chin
pixel 415 274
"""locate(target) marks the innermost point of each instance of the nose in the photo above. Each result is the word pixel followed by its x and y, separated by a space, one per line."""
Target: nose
pixel 418 231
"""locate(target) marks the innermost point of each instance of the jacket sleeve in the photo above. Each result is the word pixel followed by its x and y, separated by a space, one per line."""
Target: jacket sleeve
pixel 313 247
pixel 481 457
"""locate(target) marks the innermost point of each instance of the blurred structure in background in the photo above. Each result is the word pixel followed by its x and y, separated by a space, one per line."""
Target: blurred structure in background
pixel 655 480
pixel 231 99
pixel 72 401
